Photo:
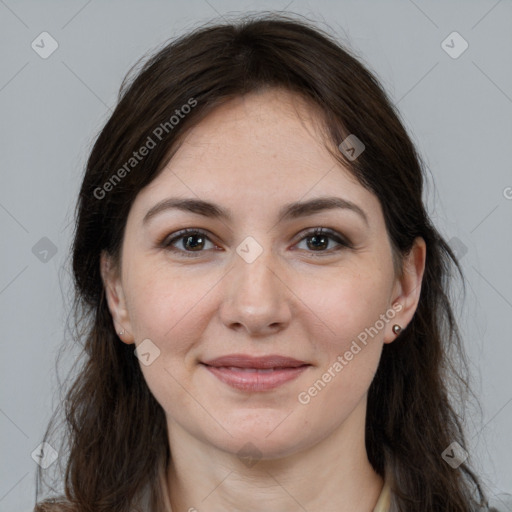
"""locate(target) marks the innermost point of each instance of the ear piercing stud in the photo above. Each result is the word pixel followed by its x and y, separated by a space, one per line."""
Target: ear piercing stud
pixel 121 332
pixel 397 329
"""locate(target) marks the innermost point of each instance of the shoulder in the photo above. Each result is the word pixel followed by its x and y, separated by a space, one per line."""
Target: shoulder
pixel 500 503
pixel 54 505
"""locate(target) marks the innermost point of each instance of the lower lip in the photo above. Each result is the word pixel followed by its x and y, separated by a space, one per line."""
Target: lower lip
pixel 247 380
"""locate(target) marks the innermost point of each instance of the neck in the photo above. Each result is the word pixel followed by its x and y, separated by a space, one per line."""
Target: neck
pixel 332 475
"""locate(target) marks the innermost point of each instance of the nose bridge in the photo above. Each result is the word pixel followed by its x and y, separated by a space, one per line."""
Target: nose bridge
pixel 254 281
pixel 255 296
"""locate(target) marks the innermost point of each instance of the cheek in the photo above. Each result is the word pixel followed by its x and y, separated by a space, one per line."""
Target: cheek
pixel 170 311
pixel 348 343
pixel 166 305
pixel 348 304
pixel 349 338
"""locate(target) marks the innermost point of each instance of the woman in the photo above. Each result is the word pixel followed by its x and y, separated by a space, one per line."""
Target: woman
pixel 264 297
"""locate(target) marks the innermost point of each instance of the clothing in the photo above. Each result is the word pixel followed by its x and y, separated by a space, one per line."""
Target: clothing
pixel 383 502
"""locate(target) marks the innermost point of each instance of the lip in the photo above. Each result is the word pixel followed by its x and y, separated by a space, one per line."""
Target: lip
pixel 248 373
pixel 261 362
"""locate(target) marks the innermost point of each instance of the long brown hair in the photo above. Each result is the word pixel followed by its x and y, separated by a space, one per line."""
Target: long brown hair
pixel 116 430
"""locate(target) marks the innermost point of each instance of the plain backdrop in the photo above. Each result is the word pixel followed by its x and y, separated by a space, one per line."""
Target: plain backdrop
pixel 456 106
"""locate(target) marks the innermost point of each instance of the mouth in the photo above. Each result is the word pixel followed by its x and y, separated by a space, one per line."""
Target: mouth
pixel 255 374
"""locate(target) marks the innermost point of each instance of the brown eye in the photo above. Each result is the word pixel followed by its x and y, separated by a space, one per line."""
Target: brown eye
pixel 193 242
pixel 318 241
pixel 187 241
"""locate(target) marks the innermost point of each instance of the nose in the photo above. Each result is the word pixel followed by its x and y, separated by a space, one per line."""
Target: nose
pixel 256 297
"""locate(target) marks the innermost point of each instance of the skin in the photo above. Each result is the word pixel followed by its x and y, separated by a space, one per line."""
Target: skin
pixel 286 302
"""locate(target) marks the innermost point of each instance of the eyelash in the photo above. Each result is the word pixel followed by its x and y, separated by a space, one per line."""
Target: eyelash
pixel 167 243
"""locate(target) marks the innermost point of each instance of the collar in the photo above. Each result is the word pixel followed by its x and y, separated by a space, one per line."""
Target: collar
pixel 382 505
pixel 384 501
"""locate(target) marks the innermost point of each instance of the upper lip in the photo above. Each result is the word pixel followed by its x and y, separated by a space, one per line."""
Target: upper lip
pixel 246 361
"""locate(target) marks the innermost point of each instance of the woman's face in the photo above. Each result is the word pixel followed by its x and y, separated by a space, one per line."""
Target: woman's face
pixel 257 282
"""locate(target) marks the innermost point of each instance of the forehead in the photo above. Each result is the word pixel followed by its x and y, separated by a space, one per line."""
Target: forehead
pixel 255 151
pixel 260 127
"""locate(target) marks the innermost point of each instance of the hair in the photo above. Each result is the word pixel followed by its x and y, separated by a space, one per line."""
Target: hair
pixel 116 430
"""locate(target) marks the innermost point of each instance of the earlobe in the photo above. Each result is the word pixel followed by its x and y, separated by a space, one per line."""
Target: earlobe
pixel 408 289
pixel 115 298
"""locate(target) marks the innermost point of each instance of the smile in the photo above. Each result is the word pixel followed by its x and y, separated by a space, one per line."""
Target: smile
pixel 255 379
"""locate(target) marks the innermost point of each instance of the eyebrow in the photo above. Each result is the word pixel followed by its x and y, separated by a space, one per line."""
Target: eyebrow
pixel 290 211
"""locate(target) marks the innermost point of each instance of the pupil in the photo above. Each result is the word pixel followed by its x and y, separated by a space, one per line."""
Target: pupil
pixel 191 237
pixel 316 237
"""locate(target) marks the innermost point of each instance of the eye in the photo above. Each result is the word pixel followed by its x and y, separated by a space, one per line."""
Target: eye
pixel 191 242
pixel 320 238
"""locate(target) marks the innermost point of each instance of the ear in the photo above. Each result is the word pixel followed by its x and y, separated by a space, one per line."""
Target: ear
pixel 115 298
pixel 407 289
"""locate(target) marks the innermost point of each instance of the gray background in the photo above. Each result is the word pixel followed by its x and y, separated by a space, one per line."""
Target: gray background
pixel 458 111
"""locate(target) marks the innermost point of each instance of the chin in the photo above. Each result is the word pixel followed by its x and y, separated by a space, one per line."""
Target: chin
pixel 265 440
pixel 250 449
